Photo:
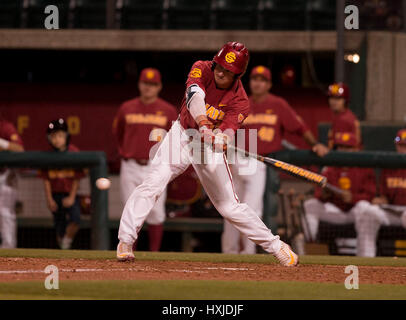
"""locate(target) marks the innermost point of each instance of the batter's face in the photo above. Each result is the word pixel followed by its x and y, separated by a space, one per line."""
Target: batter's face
pixel 149 90
pixel 259 85
pixel 337 105
pixel 223 78
pixel 58 139
pixel 401 148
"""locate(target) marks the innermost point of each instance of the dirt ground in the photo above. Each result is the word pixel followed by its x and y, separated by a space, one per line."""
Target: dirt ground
pixel 25 269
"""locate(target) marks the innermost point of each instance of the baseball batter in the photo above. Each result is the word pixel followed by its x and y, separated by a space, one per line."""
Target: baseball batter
pixel 10 140
pixel 359 186
pixel 270 116
pixel 344 120
pixel 138 126
pixel 392 192
pixel 214 107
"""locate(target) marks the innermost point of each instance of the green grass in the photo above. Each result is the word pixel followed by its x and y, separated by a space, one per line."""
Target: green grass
pixel 203 257
pixel 198 289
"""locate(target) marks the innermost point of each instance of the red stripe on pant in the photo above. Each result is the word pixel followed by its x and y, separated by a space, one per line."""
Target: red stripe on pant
pixel 231 177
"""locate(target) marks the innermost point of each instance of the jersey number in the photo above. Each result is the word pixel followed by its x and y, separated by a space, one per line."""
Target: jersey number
pixel 266 134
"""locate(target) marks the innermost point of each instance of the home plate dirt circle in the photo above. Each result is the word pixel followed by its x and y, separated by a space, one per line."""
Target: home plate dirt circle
pixel 24 269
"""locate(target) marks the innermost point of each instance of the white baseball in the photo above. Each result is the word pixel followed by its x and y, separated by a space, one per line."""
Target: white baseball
pixel 103 183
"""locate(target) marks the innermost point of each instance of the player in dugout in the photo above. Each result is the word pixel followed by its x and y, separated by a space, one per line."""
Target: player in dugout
pixel 270 116
pixel 61 186
pixel 214 107
pixel 10 140
pixel 390 205
pixel 358 187
pixel 138 125
pixel 344 120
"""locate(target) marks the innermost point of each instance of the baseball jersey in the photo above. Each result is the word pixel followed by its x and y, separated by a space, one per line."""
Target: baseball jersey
pixel 271 118
pixel 62 179
pixel 8 132
pixel 359 181
pixel 393 185
pixel 225 108
pixel 134 122
pixel 344 122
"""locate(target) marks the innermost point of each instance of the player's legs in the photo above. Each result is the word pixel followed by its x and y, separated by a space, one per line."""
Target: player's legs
pixel 217 181
pixel 317 211
pixel 231 237
pixel 250 190
pixel 8 198
pixel 8 228
pixel 368 220
pixel 144 197
pixel 132 175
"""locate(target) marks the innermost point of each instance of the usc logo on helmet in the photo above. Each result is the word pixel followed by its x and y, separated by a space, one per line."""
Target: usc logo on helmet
pixel 230 57
pixel 196 73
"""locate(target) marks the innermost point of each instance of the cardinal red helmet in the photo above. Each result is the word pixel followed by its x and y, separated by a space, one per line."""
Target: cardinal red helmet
pixel 234 57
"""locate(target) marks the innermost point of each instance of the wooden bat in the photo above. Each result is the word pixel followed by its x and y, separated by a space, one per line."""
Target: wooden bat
pixel 290 169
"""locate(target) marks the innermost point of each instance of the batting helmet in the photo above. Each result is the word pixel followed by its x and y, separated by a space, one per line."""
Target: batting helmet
pixel 58 125
pixel 339 90
pixel 234 57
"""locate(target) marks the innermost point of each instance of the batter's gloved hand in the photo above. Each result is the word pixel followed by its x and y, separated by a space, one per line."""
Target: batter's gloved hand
pixel 206 132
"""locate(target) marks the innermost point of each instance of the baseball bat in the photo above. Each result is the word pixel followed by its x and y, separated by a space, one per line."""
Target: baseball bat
pixel 290 169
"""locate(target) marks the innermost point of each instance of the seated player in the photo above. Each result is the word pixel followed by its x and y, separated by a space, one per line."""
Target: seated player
pixel 10 140
pixel 359 189
pixel 392 193
pixel 61 187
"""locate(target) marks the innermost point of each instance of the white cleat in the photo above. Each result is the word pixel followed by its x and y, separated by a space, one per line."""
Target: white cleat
pixel 286 256
pixel 125 252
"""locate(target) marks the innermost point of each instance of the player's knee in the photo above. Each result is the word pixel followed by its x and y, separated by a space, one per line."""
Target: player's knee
pixel 228 209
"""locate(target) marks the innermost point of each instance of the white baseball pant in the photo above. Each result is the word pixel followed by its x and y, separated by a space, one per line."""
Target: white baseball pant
pixel 173 157
pixel 8 220
pixel 317 211
pixel 132 175
pixel 369 225
pixel 250 190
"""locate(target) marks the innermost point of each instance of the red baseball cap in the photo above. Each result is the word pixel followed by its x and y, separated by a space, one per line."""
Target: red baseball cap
pixel 401 137
pixel 345 139
pixel 261 71
pixel 151 75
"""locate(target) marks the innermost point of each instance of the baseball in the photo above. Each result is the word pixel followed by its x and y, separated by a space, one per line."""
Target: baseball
pixel 103 183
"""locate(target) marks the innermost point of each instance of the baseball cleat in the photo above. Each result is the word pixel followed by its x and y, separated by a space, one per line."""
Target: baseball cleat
pixel 125 252
pixel 286 256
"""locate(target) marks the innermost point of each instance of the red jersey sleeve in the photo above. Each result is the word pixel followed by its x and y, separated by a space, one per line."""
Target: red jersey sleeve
pixel 199 74
pixel 291 121
pixel 10 133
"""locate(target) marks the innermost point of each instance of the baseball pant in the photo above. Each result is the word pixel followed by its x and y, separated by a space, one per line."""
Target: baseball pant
pixel 8 222
pixel 369 225
pixel 317 211
pixel 250 190
pixel 173 157
pixel 132 175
